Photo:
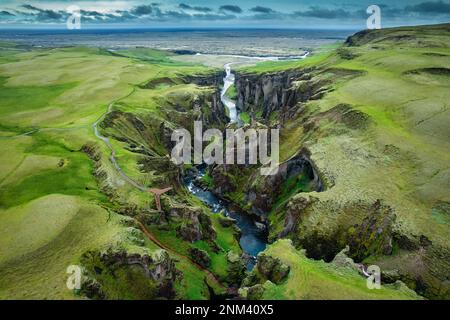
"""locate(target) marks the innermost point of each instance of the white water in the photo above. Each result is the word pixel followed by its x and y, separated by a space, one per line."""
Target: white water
pixel 230 80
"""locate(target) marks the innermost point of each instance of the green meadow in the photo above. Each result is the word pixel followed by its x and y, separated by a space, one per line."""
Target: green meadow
pixel 57 201
pixel 51 208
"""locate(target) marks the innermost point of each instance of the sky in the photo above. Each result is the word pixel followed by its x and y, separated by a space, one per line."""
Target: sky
pixel 219 14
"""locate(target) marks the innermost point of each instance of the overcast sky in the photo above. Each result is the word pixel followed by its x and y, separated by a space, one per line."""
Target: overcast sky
pixel 218 13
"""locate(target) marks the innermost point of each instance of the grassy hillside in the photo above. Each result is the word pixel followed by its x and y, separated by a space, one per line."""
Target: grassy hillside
pixel 316 280
pixel 380 132
pixel 377 135
pixel 53 207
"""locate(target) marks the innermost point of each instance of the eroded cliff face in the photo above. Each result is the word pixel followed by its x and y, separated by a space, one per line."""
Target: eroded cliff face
pixel 325 225
pixel 140 276
pixel 214 113
pixel 259 194
pixel 272 100
pixel 373 235
pixel 277 92
pixel 146 137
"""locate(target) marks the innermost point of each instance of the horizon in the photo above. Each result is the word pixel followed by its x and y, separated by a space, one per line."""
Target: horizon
pixel 284 14
pixel 202 28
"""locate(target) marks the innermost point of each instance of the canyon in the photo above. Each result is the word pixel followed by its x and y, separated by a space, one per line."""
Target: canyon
pixel 362 176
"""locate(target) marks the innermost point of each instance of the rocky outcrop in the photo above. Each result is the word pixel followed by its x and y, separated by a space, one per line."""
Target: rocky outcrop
pixel 342 260
pixel 213 111
pixel 374 235
pixel 254 293
pixel 158 271
pixel 268 270
pixel 194 224
pixel 236 269
pixel 258 194
pixel 272 269
pixel 279 91
pixel 369 231
pixel 293 215
pixel 297 174
pixel 207 80
pixel 93 152
pixel 201 257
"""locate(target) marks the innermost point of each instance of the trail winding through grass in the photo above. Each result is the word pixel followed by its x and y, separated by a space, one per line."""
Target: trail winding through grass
pixel 142 188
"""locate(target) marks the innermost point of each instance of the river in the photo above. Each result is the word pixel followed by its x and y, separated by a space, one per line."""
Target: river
pixel 228 81
pixel 253 237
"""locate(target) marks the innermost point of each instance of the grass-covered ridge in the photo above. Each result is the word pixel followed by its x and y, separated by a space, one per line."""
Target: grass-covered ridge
pixel 378 131
pixel 372 116
pixel 54 205
pixel 316 280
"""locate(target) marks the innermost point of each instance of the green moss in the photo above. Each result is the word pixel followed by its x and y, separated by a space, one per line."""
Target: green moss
pixel 245 117
pixel 291 187
pixel 208 180
pixel 120 282
pixel 232 92
pixel 225 241
pixel 309 279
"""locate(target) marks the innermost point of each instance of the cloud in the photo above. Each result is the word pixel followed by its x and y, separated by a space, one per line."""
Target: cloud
pixel 323 13
pixel 43 15
pixel 231 8
pixel 184 12
pixel 30 7
pixel 260 9
pixel 174 15
pixel 142 10
pixel 438 7
pixel 199 9
pixel 213 17
pixel 7 14
pixel 49 15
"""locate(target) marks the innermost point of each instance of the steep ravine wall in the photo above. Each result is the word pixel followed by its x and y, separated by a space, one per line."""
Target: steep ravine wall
pixel 281 91
pixel 369 229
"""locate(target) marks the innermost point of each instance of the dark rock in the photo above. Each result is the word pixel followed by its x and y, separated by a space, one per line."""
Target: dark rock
pixel 92 150
pixel 264 194
pixel 424 241
pixel 201 257
pixel 222 182
pixel 374 236
pixel 159 271
pixel 293 214
pixel 256 292
pixel 272 268
pixel 390 276
pixel 195 224
pixel 226 222
pixel 92 289
pixel 271 92
pixel 236 269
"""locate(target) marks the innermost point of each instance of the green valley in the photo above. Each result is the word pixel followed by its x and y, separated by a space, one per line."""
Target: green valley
pixel 364 173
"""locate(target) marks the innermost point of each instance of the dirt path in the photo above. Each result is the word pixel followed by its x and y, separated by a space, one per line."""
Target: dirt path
pixel 147 233
pixel 152 238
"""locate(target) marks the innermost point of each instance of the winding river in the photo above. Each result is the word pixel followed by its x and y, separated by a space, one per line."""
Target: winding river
pixel 228 81
pixel 253 237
